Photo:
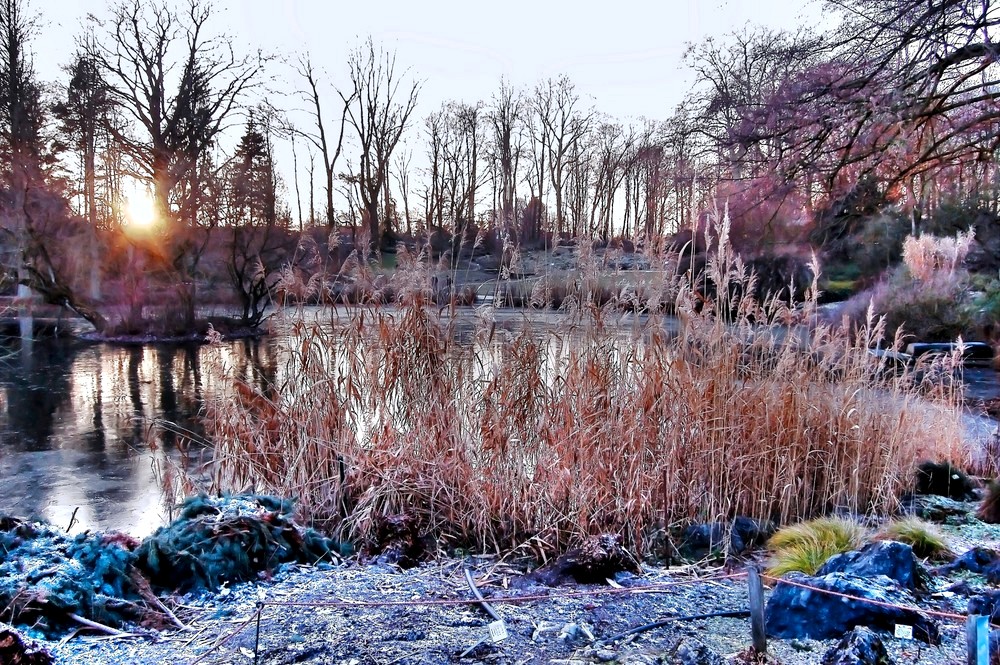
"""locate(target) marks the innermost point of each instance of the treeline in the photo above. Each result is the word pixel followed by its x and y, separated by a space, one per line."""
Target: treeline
pixel 796 133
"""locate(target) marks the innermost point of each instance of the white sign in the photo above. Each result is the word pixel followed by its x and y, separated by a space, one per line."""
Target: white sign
pixel 498 631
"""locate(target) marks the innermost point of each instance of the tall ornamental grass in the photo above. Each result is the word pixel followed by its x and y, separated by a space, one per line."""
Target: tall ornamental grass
pixel 513 438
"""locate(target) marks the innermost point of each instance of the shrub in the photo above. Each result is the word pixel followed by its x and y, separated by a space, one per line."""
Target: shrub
pixel 805 547
pixel 927 542
pixel 935 310
pixel 989 509
pixel 878 244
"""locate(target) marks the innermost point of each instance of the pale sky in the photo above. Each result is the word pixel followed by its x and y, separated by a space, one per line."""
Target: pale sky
pixel 625 56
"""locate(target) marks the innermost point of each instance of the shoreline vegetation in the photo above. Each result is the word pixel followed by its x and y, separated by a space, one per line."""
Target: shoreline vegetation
pixel 527 442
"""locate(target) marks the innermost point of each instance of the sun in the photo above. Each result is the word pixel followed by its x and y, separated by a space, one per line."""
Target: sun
pixel 139 208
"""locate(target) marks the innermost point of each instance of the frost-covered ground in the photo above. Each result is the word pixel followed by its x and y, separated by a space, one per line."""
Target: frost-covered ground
pixel 571 625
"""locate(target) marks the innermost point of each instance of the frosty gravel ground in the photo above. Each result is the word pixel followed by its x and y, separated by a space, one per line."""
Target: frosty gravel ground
pixel 558 629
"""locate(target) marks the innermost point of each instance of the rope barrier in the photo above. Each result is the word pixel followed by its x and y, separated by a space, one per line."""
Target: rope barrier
pixel 657 588
pixel 612 591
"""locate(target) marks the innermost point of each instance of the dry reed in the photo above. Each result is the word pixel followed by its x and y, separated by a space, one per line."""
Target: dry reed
pixel 527 437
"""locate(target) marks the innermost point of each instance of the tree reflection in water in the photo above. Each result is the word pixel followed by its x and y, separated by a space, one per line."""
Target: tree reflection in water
pixel 75 424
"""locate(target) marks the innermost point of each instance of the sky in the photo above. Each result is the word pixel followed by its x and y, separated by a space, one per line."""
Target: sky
pixel 624 56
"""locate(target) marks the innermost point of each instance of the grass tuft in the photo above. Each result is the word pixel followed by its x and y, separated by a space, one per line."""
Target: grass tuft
pixel 925 539
pixel 806 546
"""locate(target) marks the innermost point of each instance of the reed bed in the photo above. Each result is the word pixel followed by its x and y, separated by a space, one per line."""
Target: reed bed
pixel 521 439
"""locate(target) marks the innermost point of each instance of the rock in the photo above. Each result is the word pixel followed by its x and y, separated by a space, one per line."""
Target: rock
pixel 700 541
pixel 576 633
pixel 748 533
pixel 15 649
pixel 978 560
pixel 986 604
pixel 861 646
pixel 940 509
pixel 689 651
pixel 890 558
pixel 944 479
pixel 793 612
pixel 598 559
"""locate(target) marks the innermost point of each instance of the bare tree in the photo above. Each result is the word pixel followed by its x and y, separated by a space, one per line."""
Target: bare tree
pixel 178 86
pixel 506 145
pixel 563 123
pixel 736 80
pixel 616 152
pixel 436 128
pixel 177 117
pixel 320 137
pixel 379 106
pixel 402 173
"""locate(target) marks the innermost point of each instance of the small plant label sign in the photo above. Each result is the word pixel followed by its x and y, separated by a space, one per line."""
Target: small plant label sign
pixel 904 632
pixel 498 631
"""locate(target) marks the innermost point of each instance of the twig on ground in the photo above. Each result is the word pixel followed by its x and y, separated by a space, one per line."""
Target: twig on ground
pixel 736 614
pixel 99 626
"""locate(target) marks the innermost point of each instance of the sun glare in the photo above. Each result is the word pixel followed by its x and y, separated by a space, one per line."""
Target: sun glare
pixel 139 208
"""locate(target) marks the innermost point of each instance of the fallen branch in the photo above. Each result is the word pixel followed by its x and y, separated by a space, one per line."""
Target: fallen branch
pixel 99 626
pixel 147 594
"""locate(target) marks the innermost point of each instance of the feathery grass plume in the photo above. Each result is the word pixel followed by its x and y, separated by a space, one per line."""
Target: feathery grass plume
pixel 926 256
pixel 806 546
pixel 545 436
pixel 925 539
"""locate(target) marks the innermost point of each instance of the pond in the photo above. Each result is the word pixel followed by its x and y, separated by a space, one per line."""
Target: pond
pixel 76 418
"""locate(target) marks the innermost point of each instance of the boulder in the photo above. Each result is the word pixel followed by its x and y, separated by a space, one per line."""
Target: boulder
pixel 699 541
pixel 861 646
pixel 890 558
pixel 978 560
pixel 794 612
pixel 940 509
pixel 986 604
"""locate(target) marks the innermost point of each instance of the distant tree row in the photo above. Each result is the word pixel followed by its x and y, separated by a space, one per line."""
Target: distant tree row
pixel 785 128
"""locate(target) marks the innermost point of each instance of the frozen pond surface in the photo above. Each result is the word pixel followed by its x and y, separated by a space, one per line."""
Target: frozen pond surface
pixel 75 417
